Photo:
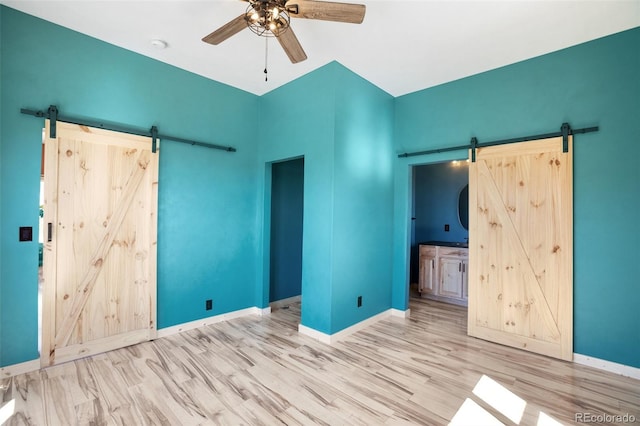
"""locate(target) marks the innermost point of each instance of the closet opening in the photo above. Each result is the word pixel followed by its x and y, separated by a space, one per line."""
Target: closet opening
pixel 285 264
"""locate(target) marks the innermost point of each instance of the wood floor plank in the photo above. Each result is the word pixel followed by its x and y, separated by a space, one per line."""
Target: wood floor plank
pixel 422 370
pixel 58 407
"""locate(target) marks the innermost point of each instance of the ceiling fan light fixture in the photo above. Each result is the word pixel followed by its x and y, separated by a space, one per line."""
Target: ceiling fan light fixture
pixel 267 18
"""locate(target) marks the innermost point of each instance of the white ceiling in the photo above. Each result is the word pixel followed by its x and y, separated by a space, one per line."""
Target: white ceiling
pixel 401 47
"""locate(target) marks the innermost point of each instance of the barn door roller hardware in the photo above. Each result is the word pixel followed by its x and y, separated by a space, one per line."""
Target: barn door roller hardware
pixel 565 131
pixel 53 115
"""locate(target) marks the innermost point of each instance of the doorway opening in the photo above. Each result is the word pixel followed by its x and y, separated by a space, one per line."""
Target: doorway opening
pixel 439 231
pixel 285 260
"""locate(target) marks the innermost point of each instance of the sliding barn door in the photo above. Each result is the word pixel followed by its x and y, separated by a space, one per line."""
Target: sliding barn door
pixel 99 289
pixel 520 248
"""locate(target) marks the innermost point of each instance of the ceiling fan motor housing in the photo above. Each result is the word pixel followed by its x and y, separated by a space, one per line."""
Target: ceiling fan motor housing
pixel 267 18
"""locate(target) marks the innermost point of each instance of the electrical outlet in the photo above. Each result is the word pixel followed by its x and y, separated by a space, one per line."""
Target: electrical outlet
pixel 26 233
pixel 359 301
pixel 208 305
pixel 446 227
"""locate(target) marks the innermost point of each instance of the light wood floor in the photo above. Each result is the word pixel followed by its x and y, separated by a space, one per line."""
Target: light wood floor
pixel 259 370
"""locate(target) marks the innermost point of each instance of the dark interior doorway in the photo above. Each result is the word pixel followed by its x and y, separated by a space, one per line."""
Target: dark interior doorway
pixel 287 202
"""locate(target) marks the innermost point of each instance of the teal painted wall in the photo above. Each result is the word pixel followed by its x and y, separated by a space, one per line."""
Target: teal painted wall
pixel 207 212
pixel 343 126
pixel 595 83
pixel 301 119
pixel 287 213
pixel 363 200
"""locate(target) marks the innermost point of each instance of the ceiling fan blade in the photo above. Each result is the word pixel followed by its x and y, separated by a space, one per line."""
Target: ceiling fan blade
pixel 291 46
pixel 227 30
pixel 326 11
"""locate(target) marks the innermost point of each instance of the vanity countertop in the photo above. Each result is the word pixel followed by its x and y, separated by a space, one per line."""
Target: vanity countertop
pixel 446 244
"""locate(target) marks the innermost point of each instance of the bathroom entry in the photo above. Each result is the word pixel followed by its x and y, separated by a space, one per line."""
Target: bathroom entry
pixel 287 202
pixel 436 190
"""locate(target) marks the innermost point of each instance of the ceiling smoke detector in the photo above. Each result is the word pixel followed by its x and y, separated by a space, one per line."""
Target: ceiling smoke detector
pixel 159 44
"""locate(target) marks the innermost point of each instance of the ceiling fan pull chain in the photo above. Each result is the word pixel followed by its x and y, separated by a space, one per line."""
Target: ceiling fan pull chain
pixel 266 53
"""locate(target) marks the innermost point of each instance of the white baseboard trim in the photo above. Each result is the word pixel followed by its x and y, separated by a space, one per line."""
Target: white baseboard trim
pixel 612 367
pixel 314 334
pixel 400 314
pixel 22 368
pixel 169 331
pixel 262 311
pixel 330 339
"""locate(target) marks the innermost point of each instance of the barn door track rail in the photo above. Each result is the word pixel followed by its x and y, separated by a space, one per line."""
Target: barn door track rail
pixel 54 116
pixel 565 131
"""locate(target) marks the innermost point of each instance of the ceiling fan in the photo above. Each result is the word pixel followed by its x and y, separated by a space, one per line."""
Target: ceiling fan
pixel 271 18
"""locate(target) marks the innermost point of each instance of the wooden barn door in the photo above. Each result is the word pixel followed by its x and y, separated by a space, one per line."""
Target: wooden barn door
pixel 521 275
pixel 99 290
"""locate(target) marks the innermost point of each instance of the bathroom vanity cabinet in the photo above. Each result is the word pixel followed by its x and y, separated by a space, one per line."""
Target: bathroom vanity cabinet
pixel 443 272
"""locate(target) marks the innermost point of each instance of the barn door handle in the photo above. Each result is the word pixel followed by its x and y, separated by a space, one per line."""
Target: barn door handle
pixel 49 231
pixel 460 267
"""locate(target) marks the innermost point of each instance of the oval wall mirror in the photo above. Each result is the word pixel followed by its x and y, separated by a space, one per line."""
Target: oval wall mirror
pixel 463 207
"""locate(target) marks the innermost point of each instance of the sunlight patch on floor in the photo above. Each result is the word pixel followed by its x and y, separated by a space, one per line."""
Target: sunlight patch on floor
pixel 7 410
pixel 500 398
pixel 507 403
pixel 470 413
pixel 546 420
